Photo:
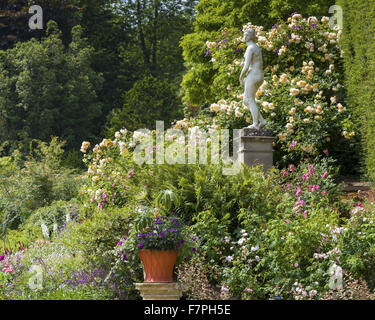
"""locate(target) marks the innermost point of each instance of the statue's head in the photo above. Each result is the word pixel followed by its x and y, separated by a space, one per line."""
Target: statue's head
pixel 249 35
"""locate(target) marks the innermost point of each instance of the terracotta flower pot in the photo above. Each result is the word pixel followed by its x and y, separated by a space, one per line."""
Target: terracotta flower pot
pixel 158 265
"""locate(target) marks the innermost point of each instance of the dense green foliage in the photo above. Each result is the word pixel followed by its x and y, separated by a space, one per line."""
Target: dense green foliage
pixel 149 100
pixel 359 57
pixel 47 90
pixel 31 185
pixel 128 40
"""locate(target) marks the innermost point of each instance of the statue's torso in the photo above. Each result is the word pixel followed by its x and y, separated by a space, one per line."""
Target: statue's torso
pixel 256 63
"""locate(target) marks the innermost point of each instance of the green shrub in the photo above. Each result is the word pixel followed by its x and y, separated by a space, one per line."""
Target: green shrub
pixel 54 217
pixel 35 183
pixel 358 245
pixel 148 101
pixel 360 72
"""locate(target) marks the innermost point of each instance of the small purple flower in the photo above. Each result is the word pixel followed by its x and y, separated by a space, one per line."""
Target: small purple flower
pixel 119 243
pixel 293 144
pixel 314 26
pixel 2 258
pixel 207 54
pixel 297 27
pixel 274 26
pixel 140 245
pixel 194 250
pixel 125 257
pixel 162 234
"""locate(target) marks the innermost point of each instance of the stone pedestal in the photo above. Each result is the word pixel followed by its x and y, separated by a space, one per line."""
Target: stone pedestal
pixel 159 291
pixel 256 147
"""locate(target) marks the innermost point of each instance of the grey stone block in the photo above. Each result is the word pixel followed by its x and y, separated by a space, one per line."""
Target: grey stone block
pixel 256 147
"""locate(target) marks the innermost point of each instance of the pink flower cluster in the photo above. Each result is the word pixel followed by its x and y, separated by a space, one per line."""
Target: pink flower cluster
pixel 299 204
pixel 6 268
pixel 312 187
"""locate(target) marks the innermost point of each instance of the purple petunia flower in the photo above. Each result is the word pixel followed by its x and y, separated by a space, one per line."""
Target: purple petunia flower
pixel 274 26
pixel 140 245
pixel 162 234
pixel 208 52
pixel 314 26
pixel 297 27
pixel 119 243
pixel 2 258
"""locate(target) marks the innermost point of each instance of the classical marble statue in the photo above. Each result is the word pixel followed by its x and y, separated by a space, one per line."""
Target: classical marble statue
pixel 252 77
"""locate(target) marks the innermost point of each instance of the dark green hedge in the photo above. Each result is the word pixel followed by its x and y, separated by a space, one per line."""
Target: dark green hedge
pixel 359 54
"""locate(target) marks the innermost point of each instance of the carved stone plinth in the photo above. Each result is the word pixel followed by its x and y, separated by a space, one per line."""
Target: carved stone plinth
pixel 159 291
pixel 256 147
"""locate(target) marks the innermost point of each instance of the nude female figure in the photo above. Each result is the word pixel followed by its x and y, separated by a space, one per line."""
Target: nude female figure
pixel 253 71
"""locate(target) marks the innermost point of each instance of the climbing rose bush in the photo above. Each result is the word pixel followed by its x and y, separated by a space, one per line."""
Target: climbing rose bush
pixel 301 97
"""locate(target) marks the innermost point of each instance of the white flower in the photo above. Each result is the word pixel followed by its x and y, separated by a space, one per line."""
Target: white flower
pixel 238 113
pixel 45 231
pixel 256 248
pixel 137 135
pixel 224 289
pixel 85 146
pixel 241 241
pixel 289 126
pixel 229 258
pixel 294 92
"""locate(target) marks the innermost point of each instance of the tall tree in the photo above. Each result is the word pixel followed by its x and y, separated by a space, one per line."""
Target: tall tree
pixel 156 27
pixel 47 90
pixel 14 19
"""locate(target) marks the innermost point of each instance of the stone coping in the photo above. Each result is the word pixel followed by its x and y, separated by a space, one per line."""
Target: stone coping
pixel 247 132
